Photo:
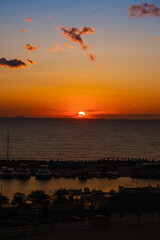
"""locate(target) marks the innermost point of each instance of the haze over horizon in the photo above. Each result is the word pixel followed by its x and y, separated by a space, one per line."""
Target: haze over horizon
pixel 59 58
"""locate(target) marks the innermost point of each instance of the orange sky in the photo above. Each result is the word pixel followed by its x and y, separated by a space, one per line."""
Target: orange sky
pixel 118 74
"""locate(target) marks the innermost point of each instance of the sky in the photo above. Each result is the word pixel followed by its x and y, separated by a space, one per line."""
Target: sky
pixel 100 57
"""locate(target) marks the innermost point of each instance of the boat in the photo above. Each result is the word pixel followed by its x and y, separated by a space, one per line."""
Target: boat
pixel 23 172
pixel 43 172
pixel 7 172
pixel 19 198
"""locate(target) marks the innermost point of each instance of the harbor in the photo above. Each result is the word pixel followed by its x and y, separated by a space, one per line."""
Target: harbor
pixel 83 170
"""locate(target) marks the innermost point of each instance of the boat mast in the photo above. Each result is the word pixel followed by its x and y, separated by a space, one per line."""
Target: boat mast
pixel 7 144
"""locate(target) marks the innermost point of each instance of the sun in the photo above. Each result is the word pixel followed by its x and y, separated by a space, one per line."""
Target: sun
pixel 81 114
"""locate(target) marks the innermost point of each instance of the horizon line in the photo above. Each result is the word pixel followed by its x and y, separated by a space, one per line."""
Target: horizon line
pixel 103 117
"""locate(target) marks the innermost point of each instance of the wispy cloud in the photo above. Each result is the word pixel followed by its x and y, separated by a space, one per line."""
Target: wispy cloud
pixel 94 11
pixel 135 105
pixel 59 48
pixel 92 57
pixel 68 46
pixel 24 30
pixel 90 110
pixel 126 116
pixel 30 47
pixel 144 9
pixel 157 39
pixel 28 19
pixel 101 67
pixel 50 17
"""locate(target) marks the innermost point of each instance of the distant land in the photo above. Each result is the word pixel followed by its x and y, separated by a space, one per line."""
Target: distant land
pixel 102 116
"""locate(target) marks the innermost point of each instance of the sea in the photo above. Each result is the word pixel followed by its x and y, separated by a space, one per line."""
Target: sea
pixel 79 139
pixel 76 139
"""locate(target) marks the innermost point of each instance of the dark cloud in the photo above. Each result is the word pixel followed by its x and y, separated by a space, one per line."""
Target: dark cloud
pixel 13 63
pixel 75 35
pixel 30 47
pixel 144 9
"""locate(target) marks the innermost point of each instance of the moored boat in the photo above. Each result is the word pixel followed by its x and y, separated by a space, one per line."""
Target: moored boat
pixel 43 172
pixel 19 198
pixel 23 172
pixel 7 172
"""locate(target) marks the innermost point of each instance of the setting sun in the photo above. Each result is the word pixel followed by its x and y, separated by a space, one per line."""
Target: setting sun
pixel 81 114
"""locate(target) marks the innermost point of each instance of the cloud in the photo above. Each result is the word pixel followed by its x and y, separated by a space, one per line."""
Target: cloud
pixel 90 110
pixel 59 48
pixel 29 19
pixel 144 9
pixel 101 67
pixel 30 61
pixel 75 35
pixel 68 46
pixel 86 30
pixel 24 30
pixel 13 63
pixel 30 47
pixel 50 17
pixel 126 116
pixel 92 57
pixel 135 105
pixel 94 11
pixel 157 39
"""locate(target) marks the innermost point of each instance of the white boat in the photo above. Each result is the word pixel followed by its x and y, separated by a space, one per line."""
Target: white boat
pixel 43 172
pixel 7 172
pixel 23 171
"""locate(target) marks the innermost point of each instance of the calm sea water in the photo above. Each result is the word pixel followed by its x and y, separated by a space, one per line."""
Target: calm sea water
pixel 10 186
pixel 79 139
